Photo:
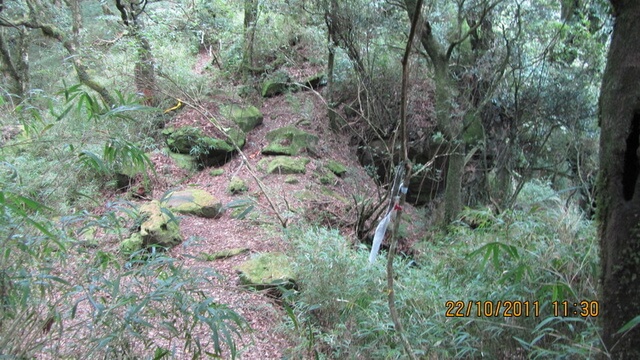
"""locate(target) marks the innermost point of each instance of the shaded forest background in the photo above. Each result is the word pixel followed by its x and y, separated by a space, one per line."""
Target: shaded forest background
pixel 502 139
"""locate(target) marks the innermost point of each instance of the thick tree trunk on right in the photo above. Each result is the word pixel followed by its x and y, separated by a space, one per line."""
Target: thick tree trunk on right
pixel 619 185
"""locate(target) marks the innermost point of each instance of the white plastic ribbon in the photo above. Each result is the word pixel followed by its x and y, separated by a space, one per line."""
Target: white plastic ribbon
pixel 379 236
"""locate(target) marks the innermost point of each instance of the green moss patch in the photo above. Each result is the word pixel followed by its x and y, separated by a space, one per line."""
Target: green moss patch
pixel 289 141
pixel 206 149
pixel 266 271
pixel 183 161
pixel 223 254
pixel 237 186
pixel 336 168
pixel 285 165
pixel 195 202
pixel 216 172
pixel 246 117
pixel 158 228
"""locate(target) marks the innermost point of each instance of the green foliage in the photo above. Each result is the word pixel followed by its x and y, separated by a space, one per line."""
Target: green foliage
pixel 104 305
pixel 28 244
pixel 159 304
pixel 240 208
pixel 118 157
pixel 540 254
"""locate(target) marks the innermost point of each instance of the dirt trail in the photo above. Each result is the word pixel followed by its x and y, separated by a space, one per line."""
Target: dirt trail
pixel 264 233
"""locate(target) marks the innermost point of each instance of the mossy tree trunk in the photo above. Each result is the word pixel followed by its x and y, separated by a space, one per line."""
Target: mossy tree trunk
pixel 456 100
pixel 450 124
pixel 250 19
pixel 33 20
pixel 15 58
pixel 82 71
pixel 329 16
pixel 619 185
pixel 144 69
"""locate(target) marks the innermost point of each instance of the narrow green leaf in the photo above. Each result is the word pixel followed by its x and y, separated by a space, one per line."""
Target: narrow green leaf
pixel 630 325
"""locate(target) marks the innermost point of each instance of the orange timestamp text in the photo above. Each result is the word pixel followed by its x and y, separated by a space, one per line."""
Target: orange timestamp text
pixel 489 308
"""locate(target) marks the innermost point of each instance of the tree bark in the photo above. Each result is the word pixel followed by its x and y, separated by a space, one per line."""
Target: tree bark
pixel 250 19
pixel 144 69
pixel 16 60
pixel 451 125
pixel 329 19
pixel 618 185
pixel 81 69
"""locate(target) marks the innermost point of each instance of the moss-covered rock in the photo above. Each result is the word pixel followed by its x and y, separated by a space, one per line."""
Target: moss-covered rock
pixel 216 172
pixel 157 228
pixel 336 168
pixel 267 270
pixel 276 84
pixel 327 178
pixel 237 186
pixel 132 244
pixel 315 81
pixel 195 202
pixel 182 140
pixel 284 165
pixel 206 149
pixel 184 161
pixel 246 117
pixel 237 136
pixel 223 254
pixel 290 141
pixel 272 88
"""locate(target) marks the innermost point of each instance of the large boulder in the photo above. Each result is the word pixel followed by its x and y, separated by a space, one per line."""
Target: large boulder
pixel 208 150
pixel 157 228
pixel 290 141
pixel 194 202
pixel 246 117
pixel 266 271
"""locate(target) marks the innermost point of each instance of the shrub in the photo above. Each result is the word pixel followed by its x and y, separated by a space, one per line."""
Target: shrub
pixel 541 254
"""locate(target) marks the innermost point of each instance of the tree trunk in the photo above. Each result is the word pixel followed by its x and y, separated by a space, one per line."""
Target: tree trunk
pixel 144 71
pixel 451 124
pixel 250 18
pixel 16 60
pixel 618 185
pixel 329 19
pixel 81 69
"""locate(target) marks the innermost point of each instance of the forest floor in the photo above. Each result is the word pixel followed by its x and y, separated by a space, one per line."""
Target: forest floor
pixel 306 201
pixel 262 233
pixel 330 205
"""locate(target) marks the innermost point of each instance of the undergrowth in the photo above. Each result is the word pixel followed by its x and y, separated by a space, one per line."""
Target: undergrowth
pixel 539 252
pixel 64 291
pixel 63 298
